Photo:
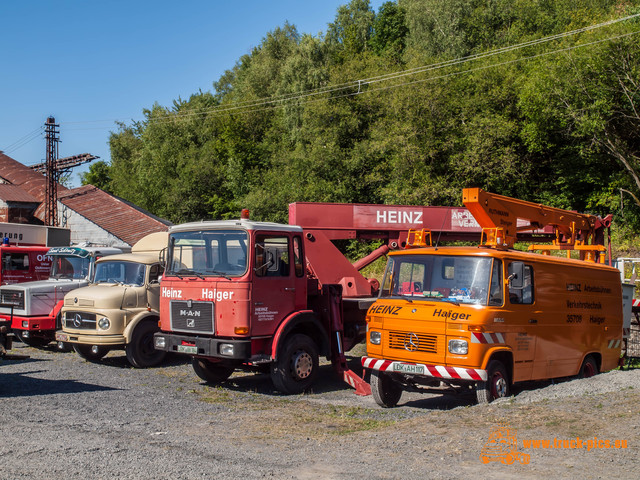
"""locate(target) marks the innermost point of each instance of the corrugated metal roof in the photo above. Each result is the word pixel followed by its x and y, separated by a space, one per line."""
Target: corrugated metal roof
pixel 31 182
pixel 117 216
pixel 14 193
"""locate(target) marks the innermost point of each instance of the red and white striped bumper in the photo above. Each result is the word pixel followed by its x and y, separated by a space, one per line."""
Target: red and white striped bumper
pixel 436 371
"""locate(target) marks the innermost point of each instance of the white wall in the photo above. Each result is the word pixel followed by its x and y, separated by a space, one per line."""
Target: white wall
pixel 84 230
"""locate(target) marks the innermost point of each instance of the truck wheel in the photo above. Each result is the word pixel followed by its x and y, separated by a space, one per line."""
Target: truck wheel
pixel 296 367
pixel 589 367
pixel 211 372
pixel 497 384
pixel 140 351
pixel 35 342
pixel 86 352
pixel 385 391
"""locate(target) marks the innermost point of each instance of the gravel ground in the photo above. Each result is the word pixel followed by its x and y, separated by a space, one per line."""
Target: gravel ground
pixel 65 418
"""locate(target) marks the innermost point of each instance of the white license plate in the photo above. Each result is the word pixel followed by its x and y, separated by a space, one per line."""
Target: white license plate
pixel 61 337
pixel 407 368
pixel 187 349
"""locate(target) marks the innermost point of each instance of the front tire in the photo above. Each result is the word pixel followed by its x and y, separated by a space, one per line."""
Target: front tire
pixel 385 391
pixel 296 367
pixel 140 351
pixel 86 352
pixel 497 384
pixel 211 372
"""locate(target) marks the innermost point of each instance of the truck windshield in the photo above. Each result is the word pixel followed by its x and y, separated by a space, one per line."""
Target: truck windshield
pixel 457 279
pixel 208 253
pixel 125 273
pixel 70 266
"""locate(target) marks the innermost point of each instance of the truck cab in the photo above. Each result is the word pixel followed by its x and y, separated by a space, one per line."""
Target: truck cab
pixel 231 291
pixel 33 307
pixel 120 308
pixel 23 264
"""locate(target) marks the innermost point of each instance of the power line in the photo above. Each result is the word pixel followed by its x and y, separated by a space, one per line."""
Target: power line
pixel 346 89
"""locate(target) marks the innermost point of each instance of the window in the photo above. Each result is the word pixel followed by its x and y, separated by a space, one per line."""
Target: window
pixel 15 261
pixel 155 273
pixel 208 252
pixel 495 291
pixel 460 279
pixel 272 256
pixel 297 256
pixel 522 295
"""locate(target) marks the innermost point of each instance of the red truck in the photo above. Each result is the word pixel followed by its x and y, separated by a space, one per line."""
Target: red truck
pixel 23 264
pixel 244 294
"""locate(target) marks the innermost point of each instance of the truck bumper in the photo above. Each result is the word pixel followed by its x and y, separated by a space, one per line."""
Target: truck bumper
pixel 31 323
pixel 203 346
pixel 107 340
pixel 434 371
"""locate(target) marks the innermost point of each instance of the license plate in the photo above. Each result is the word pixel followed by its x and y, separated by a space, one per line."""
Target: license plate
pixel 407 368
pixel 61 337
pixel 187 349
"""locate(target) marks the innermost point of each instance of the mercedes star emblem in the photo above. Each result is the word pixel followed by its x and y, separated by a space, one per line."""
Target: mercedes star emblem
pixel 411 342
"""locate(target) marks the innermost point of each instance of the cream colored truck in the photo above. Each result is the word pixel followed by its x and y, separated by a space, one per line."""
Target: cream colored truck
pixel 119 309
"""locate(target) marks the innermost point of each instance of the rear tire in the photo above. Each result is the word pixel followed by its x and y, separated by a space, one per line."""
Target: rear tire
pixel 589 367
pixel 85 352
pixel 296 367
pixel 140 351
pixel 386 392
pixel 497 384
pixel 211 372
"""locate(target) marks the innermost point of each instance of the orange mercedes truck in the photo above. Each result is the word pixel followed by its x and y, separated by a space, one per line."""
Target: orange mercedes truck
pixel 451 319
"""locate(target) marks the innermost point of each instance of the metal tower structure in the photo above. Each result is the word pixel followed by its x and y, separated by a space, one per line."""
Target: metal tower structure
pixel 64 165
pixel 52 133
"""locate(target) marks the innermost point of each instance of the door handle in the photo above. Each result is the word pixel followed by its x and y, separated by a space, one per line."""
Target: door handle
pixel 257 303
pixel 533 320
pixel 289 289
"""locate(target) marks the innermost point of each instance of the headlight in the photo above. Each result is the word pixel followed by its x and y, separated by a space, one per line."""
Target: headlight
pixel 160 343
pixel 104 323
pixel 458 347
pixel 25 323
pixel 226 349
pixel 375 337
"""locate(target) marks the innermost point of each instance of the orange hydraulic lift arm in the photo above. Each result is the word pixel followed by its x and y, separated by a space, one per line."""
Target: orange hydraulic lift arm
pixel 498 216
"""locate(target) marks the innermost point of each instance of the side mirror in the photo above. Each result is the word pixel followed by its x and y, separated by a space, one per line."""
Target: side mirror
pixel 516 276
pixel 162 257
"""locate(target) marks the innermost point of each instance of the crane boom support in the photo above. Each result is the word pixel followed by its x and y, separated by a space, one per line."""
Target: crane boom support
pixel 498 216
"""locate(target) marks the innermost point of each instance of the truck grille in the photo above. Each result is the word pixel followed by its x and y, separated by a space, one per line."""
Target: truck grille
pixel 413 342
pixel 80 320
pixel 12 297
pixel 192 317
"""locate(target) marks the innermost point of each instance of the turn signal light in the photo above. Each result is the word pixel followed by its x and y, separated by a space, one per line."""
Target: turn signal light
pixel 241 330
pixel 476 328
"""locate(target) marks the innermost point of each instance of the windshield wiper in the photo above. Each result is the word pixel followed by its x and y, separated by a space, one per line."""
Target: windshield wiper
pixel 189 272
pixel 222 274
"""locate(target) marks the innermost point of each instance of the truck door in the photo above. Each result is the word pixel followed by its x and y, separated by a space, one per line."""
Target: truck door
pixel 276 286
pixel 524 318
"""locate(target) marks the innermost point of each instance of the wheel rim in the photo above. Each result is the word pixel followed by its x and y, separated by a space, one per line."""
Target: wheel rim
pixel 302 364
pixel 498 386
pixel 589 370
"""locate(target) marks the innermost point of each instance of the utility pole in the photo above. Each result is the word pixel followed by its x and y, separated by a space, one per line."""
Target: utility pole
pixel 51 189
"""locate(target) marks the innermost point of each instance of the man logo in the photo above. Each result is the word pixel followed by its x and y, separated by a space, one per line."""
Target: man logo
pixel 191 322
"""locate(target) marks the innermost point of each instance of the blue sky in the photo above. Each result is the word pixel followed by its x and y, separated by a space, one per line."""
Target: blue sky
pixel 91 63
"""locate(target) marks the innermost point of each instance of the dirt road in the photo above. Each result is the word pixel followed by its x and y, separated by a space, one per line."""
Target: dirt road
pixel 65 418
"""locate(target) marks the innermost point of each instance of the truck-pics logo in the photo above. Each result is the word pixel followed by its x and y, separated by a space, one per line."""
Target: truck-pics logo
pixel 502 446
